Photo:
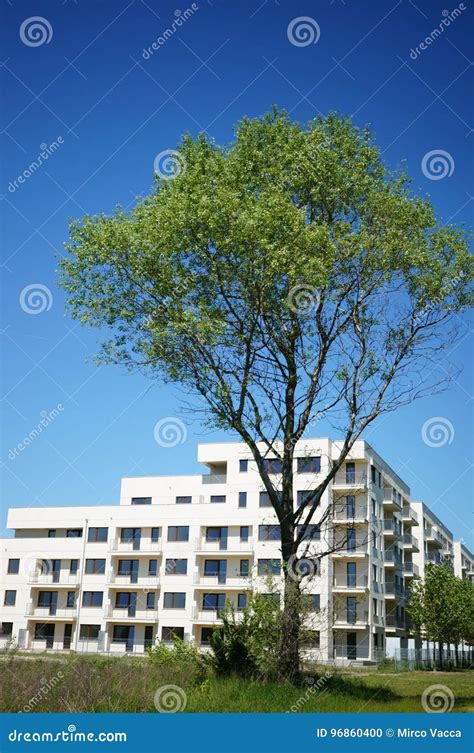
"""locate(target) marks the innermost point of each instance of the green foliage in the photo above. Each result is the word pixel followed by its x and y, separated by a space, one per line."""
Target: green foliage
pixel 180 657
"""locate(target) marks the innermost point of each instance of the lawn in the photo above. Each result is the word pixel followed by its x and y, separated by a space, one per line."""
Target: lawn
pixel 101 684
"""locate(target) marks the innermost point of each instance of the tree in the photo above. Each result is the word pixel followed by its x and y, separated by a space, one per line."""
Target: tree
pixel 441 607
pixel 283 279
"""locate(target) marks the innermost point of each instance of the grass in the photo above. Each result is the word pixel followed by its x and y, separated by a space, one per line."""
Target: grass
pixel 103 684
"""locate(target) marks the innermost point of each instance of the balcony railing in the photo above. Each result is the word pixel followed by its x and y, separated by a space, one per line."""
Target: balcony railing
pixel 410 515
pixel 410 541
pixel 43 612
pixel 144 546
pixel 390 497
pixel 433 557
pixel 345 551
pixel 228 545
pixel 392 526
pixel 392 621
pixel 212 581
pixel 145 581
pixel 214 478
pixel 411 569
pixel 342 581
pixel 342 512
pixel 391 557
pixel 350 479
pixel 351 617
pixel 129 613
pixel 48 579
pixel 394 589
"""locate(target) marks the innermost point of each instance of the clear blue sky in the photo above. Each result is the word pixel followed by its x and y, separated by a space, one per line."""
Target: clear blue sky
pixel 114 111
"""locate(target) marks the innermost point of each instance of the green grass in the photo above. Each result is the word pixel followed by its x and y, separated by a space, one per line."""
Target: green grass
pixel 102 684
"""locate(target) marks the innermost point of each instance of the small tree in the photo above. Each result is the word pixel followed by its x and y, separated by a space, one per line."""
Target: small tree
pixel 287 278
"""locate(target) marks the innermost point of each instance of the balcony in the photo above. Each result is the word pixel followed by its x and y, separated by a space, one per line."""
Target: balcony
pixel 136 546
pixel 377 587
pixel 351 552
pixel 206 616
pixel 125 581
pixel 352 619
pixel 434 557
pixel 391 528
pixel 343 583
pixel 223 581
pixel 392 559
pixel 433 537
pixel 391 621
pixel 118 614
pixel 350 480
pixel 394 590
pixel 232 545
pixel 410 517
pixel 391 499
pixel 410 542
pixel 410 569
pixel 51 613
pixel 378 620
pixel 214 478
pixel 341 514
pixel 48 579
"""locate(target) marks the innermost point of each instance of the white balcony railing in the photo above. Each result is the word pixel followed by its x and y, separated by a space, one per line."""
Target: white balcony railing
pixel 229 545
pixel 350 479
pixel 45 612
pixel 127 613
pixel 141 546
pixel 342 581
pixel 47 579
pixel 145 581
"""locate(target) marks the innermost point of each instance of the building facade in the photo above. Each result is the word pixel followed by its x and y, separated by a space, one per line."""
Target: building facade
pixel 163 562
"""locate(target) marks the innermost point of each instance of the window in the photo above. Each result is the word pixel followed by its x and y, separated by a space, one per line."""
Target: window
pixel 141 500
pixel 150 600
pixel 350 506
pixel 89 632
pixel 74 533
pixel 6 629
pixel 206 633
pixel 242 499
pixel 92 598
pixel 306 496
pixel 169 633
pixel 176 567
pixel 244 568
pixel 213 602
pixel 272 465
pixel 243 466
pixel 351 609
pixel 71 599
pixel 269 567
pixel 350 473
pixel 178 533
pixel 44 631
pixel 124 599
pixel 374 607
pixel 351 574
pixel 244 533
pixel 152 567
pixel 155 534
pixel 184 500
pixel 95 567
pixel 217 499
pixel 13 566
pixel 351 539
pixel 264 500
pixel 314 602
pixel 312 532
pixel 174 600
pixel 10 598
pixel 121 633
pixel 130 534
pixel 52 533
pixel 269 533
pixel 127 567
pixel 47 598
pixel 215 567
pixel 73 566
pixel 98 534
pixel 373 473
pixel 309 464
pixel 310 638
pixel 241 602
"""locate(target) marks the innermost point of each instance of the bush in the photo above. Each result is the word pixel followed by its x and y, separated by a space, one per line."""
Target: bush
pixel 180 659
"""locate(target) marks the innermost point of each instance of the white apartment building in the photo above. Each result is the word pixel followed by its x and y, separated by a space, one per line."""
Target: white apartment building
pixel 165 560
pixel 463 561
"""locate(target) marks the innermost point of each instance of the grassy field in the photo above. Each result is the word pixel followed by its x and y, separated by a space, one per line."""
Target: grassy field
pixel 102 684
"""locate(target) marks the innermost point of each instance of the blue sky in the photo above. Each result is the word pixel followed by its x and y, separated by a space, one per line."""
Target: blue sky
pixel 88 90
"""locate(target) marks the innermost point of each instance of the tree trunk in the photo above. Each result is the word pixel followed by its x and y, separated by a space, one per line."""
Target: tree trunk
pixel 289 653
pixel 440 649
pixel 456 654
